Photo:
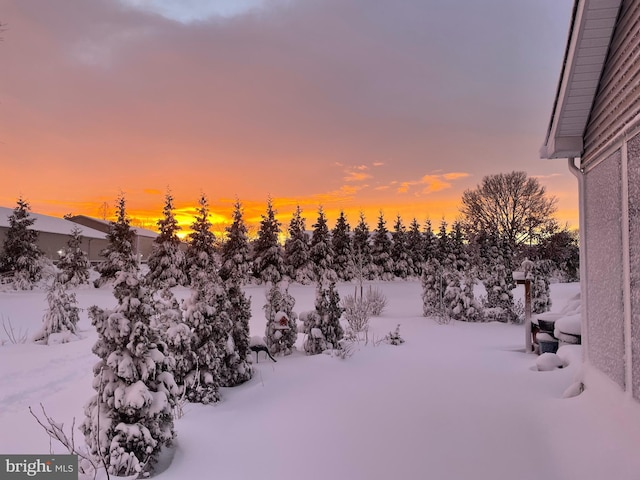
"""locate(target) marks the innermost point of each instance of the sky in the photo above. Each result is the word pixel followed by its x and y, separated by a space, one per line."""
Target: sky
pixel 387 106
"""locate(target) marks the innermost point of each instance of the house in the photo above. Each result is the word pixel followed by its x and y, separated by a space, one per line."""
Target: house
pixel 143 241
pixel 595 124
pixel 54 234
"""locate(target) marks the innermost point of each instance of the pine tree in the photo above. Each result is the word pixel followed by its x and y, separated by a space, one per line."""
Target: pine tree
pixel 343 257
pixel 540 291
pixel 130 418
pixel 322 326
pixel 268 261
pixel 236 362
pixel 201 253
pixel 443 245
pixel 119 255
pixel 236 258
pixel 73 261
pixel 320 251
pixel 296 250
pixel 362 248
pixel 62 314
pixel 429 242
pixel 402 262
pixel 433 286
pixel 415 248
pixel 499 304
pixel 380 250
pixel 167 262
pixel 281 331
pixel 21 256
pixel 207 315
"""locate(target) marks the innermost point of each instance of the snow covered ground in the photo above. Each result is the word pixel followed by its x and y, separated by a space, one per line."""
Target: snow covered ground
pixel 456 401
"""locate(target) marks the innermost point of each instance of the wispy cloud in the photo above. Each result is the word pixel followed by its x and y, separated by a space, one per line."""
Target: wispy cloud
pixel 429 183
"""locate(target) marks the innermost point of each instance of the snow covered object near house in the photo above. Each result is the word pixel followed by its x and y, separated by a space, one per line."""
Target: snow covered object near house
pixel 129 419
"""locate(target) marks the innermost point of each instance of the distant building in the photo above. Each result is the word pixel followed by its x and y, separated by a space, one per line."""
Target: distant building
pixel 596 119
pixel 54 234
pixel 143 242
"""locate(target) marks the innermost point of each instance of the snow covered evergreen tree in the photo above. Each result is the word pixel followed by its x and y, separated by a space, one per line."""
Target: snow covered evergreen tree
pixel 130 418
pixel 343 257
pixel 443 245
pixel 167 261
pixel 268 261
pixel 457 255
pixel 381 250
pixel 201 252
pixel 499 304
pixel 540 291
pixel 433 286
pixel 281 331
pixel 73 261
pixel 322 326
pixel 207 315
pixel 362 248
pixel 296 250
pixel 62 314
pixel 320 250
pixel 459 299
pixel 21 257
pixel 236 362
pixel 429 242
pixel 236 258
pixel 402 262
pixel 415 248
pixel 119 255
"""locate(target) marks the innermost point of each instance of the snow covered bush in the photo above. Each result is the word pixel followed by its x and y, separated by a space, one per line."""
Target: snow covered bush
pixel 376 300
pixel 540 292
pixel 236 362
pixel 281 331
pixel 322 327
pixel 459 299
pixel 432 288
pixel 73 261
pixel 62 313
pixel 129 419
pixel 394 338
pixel 357 312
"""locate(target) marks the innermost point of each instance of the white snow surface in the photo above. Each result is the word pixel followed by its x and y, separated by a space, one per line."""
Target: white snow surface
pixel 457 401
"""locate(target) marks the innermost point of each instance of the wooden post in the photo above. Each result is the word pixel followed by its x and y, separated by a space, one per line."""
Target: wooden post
pixel 527 315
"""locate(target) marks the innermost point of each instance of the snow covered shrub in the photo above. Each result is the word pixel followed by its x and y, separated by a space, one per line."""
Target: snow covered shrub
pixel 394 338
pixel 62 313
pixel 376 300
pixel 129 419
pixel 357 312
pixel 323 327
pixel 281 331
pixel 73 261
pixel 14 337
pixel 459 299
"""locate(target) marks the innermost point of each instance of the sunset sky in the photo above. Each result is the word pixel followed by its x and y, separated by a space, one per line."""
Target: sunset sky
pixel 362 105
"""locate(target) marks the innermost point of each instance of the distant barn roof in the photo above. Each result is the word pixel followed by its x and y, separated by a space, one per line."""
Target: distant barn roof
pixel 592 27
pixel 103 225
pixel 48 224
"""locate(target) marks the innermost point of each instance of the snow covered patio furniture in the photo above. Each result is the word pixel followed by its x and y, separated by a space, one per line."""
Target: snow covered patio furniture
pixel 550 330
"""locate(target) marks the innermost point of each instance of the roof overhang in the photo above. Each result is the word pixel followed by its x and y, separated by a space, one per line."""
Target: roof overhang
pixel 590 33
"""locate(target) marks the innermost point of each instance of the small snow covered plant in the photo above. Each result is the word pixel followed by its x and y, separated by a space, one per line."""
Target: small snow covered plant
pixel 394 338
pixel 130 418
pixel 62 314
pixel 281 331
pixel 376 300
pixel 13 337
pixel 357 312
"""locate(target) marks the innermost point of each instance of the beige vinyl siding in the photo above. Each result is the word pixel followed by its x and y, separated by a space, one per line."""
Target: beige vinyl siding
pixel 617 102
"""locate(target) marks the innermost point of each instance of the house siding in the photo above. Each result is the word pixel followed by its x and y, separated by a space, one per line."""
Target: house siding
pixel 633 159
pixel 604 302
pixel 617 102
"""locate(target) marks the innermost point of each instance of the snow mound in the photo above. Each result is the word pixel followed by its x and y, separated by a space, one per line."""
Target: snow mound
pixel 570 324
pixel 549 361
pixel 574 390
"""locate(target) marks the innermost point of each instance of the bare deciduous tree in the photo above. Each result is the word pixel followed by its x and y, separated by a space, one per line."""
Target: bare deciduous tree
pixel 513 205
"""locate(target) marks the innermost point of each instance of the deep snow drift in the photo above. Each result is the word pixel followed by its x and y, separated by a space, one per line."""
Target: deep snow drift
pixel 456 401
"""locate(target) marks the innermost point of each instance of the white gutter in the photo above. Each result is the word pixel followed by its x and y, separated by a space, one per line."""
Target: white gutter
pixel 579 174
